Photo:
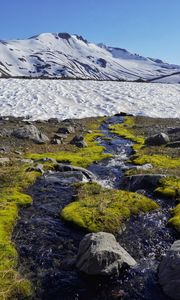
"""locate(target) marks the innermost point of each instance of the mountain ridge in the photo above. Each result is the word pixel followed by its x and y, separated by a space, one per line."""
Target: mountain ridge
pixel 61 55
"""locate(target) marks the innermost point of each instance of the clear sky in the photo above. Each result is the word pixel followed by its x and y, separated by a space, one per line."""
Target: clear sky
pixel 148 27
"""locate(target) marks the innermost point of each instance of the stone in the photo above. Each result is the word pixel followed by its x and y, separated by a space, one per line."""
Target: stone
pixel 157 139
pixel 66 130
pixel 78 141
pixel 30 132
pixel 141 181
pixel 69 168
pixel 56 142
pixel 169 272
pixel 175 144
pixel 4 161
pixel 18 152
pixel 100 254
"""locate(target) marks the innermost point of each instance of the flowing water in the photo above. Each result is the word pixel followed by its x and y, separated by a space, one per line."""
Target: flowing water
pixel 47 246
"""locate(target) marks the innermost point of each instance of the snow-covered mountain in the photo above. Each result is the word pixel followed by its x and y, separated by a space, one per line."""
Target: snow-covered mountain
pixel 65 55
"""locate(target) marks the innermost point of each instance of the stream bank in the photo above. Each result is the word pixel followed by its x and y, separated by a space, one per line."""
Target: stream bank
pixel 47 246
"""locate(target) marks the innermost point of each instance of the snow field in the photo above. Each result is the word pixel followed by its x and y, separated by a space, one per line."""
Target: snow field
pixel 44 99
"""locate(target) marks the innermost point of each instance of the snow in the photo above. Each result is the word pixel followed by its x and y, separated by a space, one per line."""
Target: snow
pixel 44 99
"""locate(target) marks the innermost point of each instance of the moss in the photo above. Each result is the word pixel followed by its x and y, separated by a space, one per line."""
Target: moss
pixel 100 209
pixel 82 157
pixel 160 161
pixel 175 220
pixel 14 180
pixel 126 130
pixel 169 187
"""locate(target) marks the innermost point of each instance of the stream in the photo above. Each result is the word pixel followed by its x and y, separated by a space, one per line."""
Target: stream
pixel 48 246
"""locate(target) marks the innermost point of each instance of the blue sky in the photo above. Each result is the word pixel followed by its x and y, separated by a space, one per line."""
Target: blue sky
pixel 148 27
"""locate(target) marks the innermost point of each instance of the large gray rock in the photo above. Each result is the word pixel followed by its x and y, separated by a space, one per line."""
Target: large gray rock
pixel 141 181
pixel 100 254
pixel 30 132
pixel 69 168
pixel 169 272
pixel 157 139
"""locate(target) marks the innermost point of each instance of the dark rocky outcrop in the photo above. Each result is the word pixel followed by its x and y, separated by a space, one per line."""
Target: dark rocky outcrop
pixel 79 141
pixel 142 181
pixel 157 139
pixel 169 272
pixel 100 254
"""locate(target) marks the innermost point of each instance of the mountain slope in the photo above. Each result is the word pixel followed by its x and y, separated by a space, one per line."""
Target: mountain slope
pixel 64 55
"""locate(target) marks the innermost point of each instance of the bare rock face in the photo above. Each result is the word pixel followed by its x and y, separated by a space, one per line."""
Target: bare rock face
pixel 30 132
pixel 100 254
pixel 157 139
pixel 169 272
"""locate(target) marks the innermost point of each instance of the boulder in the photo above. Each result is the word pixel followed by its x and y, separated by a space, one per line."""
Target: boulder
pixel 69 168
pixel 157 139
pixel 78 141
pixel 141 181
pixel 100 254
pixel 169 272
pixel 30 132
pixel 66 130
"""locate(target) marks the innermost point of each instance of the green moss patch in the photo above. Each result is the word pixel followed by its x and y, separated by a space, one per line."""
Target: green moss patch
pixel 82 157
pixel 101 209
pixel 175 220
pixel 169 187
pixel 126 130
pixel 14 179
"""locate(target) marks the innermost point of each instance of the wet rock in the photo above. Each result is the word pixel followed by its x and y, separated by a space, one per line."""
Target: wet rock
pixel 4 161
pixel 66 130
pixel 157 139
pixel 78 141
pixel 175 144
pixel 30 132
pixel 142 181
pixel 69 168
pixel 169 272
pixel 64 178
pixel 100 254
